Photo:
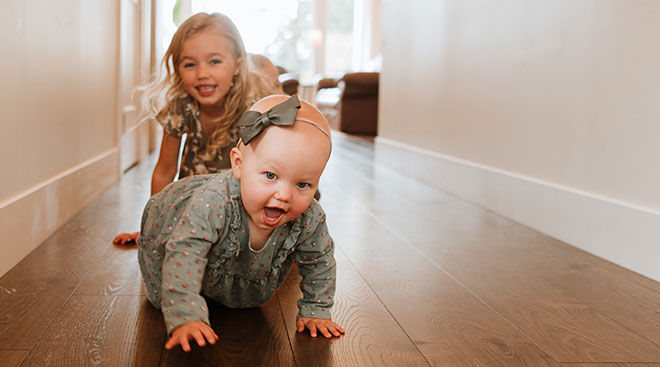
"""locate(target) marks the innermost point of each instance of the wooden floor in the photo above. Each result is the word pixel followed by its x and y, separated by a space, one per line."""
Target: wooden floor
pixel 424 279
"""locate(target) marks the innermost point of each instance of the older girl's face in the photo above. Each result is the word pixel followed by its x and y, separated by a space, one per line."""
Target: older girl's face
pixel 207 68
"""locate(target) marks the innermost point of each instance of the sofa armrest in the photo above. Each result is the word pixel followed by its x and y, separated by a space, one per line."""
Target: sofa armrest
pixel 326 83
pixel 359 84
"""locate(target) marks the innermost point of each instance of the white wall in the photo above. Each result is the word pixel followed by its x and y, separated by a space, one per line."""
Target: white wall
pixel 545 111
pixel 58 115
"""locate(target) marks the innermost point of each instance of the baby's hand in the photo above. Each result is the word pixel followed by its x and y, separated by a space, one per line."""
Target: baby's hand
pixel 195 329
pixel 125 238
pixel 326 327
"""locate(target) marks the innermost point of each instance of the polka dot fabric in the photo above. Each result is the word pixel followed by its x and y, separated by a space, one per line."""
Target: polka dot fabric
pixel 194 242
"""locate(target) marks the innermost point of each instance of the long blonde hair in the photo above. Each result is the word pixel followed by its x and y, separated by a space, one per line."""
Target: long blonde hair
pixel 161 96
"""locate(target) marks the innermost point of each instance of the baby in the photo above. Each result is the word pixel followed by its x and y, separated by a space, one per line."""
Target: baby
pixel 233 237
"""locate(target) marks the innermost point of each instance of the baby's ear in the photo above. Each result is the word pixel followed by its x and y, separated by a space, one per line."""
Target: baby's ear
pixel 236 161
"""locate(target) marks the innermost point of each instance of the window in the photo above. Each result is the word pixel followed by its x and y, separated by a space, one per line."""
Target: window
pixel 286 31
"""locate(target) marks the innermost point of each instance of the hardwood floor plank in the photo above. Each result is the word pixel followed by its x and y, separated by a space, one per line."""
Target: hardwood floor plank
pixel 248 337
pixel 582 276
pixel 102 330
pixel 116 273
pixel 568 329
pixel 373 337
pixel 50 272
pixel 12 358
pixel 447 323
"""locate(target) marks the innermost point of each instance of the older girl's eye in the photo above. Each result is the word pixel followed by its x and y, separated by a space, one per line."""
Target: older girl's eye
pixel 215 61
pixel 302 185
pixel 188 65
pixel 271 175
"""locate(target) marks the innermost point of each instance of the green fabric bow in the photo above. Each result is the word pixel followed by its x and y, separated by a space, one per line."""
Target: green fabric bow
pixel 252 123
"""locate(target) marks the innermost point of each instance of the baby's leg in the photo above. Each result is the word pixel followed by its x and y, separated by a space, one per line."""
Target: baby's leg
pixel 150 258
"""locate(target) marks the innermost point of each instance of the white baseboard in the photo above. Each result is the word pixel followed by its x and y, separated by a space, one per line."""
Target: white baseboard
pixel 29 218
pixel 623 233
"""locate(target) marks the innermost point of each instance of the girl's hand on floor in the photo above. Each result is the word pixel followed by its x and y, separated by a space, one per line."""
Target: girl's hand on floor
pixel 198 330
pixel 325 327
pixel 125 238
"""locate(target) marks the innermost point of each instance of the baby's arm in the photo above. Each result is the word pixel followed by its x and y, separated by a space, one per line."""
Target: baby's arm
pixel 316 264
pixel 185 259
pixel 198 330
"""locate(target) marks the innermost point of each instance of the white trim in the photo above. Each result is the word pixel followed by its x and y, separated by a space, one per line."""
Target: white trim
pixel 457 160
pixel 57 177
pixel 621 232
pixel 29 218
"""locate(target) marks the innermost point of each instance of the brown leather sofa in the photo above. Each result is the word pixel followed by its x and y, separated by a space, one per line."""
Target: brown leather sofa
pixel 351 103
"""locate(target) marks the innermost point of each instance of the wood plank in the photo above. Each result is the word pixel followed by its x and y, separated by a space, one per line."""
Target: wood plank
pixel 102 330
pixel 248 337
pixel 51 273
pixel 448 324
pixel 582 276
pixel 373 337
pixel 568 329
pixel 12 358
pixel 117 273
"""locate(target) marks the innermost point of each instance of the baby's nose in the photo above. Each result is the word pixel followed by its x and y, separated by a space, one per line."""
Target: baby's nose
pixel 284 193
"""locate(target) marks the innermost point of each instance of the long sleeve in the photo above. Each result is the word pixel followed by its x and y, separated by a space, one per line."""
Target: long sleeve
pixel 184 264
pixel 316 263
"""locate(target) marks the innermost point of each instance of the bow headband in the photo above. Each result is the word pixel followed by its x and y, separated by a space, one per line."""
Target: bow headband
pixel 252 123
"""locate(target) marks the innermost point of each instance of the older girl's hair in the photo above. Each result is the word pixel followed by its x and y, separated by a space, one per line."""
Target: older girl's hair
pixel 162 95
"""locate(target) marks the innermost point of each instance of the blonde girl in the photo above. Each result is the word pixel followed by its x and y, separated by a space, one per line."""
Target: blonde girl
pixel 205 89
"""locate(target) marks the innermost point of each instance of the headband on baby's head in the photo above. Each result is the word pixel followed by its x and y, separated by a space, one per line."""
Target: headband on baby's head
pixel 252 123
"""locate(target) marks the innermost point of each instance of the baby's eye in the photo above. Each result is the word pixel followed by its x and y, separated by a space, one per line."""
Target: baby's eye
pixel 270 175
pixel 302 185
pixel 215 61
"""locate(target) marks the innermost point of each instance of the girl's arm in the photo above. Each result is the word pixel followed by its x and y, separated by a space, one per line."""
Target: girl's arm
pixel 164 173
pixel 166 167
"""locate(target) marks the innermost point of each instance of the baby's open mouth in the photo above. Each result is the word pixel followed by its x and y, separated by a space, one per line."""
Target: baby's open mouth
pixel 272 215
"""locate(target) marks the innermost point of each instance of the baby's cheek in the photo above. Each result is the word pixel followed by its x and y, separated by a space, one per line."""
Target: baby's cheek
pixel 300 207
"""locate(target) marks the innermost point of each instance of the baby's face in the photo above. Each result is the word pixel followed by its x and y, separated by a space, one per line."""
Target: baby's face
pixel 280 172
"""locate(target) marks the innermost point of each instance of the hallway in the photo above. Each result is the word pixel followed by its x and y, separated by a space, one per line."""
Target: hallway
pixel 423 279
